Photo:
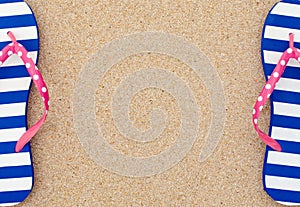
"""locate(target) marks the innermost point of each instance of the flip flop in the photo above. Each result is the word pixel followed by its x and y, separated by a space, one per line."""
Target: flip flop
pixel 18 33
pixel 280 57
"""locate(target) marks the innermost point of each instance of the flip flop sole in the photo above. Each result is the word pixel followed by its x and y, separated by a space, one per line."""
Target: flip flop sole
pixel 16 170
pixel 281 173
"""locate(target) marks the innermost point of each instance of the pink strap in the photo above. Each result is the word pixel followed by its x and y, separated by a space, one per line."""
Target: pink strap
pixel 17 48
pixel 268 89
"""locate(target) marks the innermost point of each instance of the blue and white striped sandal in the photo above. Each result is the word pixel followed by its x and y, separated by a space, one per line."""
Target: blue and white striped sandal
pixel 19 45
pixel 280 57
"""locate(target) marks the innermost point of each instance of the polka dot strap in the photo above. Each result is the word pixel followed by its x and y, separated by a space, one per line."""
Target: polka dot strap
pixel 266 92
pixel 18 49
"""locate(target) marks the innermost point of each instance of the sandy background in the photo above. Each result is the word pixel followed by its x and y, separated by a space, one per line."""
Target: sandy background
pixel 228 32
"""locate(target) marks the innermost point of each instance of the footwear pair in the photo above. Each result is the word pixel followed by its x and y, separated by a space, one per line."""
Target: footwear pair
pixel 281 57
pixel 19 45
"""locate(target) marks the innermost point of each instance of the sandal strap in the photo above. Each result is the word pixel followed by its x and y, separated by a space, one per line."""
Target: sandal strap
pixel 268 89
pixel 20 50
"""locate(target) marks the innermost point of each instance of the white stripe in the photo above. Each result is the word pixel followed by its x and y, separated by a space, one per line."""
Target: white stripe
pixel 11 135
pixel 281 33
pixel 286 9
pixel 282 183
pixel 14 109
pixel 14 84
pixel 8 204
pixel 288 203
pixel 284 109
pixel 15 184
pixel 15 60
pixel 15 159
pixel 21 33
pixel 272 57
pixel 12 9
pixel 285 134
pixel 282 158
pixel 288 84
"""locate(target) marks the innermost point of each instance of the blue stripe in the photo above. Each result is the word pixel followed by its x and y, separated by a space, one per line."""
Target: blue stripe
pixel 284 195
pixel 16 172
pixel 276 45
pixel 283 21
pixel 9 147
pixel 30 45
pixel 282 171
pixel 286 97
pixel 17 21
pixel 285 121
pixel 13 97
pixel 11 197
pixel 290 72
pixel 10 1
pixel 290 147
pixel 13 72
pixel 12 122
pixel 291 1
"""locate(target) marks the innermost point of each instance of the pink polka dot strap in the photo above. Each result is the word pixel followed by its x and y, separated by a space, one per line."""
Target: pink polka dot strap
pixel 266 92
pixel 18 49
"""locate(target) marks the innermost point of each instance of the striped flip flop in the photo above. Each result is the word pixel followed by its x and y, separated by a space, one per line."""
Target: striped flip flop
pixel 280 57
pixel 19 47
